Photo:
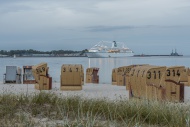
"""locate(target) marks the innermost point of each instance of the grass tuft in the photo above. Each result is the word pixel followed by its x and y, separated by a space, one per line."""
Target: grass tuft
pixel 48 109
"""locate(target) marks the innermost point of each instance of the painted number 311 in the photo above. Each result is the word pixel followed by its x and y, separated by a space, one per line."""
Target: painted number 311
pixel 155 75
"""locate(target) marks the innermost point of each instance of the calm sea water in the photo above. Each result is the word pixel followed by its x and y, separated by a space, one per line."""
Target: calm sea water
pixel 105 64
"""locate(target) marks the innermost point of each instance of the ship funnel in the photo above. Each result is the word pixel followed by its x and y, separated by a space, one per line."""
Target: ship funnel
pixel 114 44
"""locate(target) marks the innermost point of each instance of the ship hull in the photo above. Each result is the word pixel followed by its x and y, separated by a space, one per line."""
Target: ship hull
pixel 107 55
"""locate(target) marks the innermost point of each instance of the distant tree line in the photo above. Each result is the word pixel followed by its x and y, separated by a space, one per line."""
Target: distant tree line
pixel 31 51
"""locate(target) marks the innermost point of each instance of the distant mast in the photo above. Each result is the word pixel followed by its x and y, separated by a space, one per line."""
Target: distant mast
pixel 14 56
pixel 175 53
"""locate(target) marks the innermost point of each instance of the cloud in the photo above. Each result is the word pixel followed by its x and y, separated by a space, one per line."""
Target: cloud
pixel 107 28
pixel 85 22
pixel 86 13
pixel 116 28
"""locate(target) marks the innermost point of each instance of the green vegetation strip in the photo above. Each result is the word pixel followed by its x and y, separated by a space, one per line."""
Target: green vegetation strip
pixel 45 109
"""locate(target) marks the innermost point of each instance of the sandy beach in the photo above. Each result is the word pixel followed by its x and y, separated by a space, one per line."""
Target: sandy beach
pixel 90 90
pixel 108 91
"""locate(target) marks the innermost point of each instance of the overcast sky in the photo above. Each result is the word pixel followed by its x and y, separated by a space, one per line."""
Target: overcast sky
pixel 146 26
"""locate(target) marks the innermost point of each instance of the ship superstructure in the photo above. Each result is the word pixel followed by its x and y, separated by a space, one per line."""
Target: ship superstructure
pixel 109 49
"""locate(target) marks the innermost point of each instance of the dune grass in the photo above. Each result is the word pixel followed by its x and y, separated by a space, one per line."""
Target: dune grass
pixel 47 109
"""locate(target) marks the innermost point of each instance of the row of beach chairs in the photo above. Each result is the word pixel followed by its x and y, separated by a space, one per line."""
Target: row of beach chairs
pixel 143 81
pixel 153 82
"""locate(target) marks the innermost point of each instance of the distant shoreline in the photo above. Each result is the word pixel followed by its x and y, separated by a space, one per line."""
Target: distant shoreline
pixel 154 55
pixel 87 56
pixel 37 56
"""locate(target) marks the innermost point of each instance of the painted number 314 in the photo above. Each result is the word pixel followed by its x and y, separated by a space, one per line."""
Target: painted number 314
pixel 173 72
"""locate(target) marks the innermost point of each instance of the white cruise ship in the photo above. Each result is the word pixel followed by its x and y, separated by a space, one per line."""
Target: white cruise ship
pixel 109 49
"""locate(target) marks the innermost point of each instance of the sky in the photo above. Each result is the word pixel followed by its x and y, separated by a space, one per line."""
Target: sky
pixel 145 26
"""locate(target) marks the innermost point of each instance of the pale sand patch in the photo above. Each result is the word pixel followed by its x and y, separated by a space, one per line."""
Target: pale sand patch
pixel 107 91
